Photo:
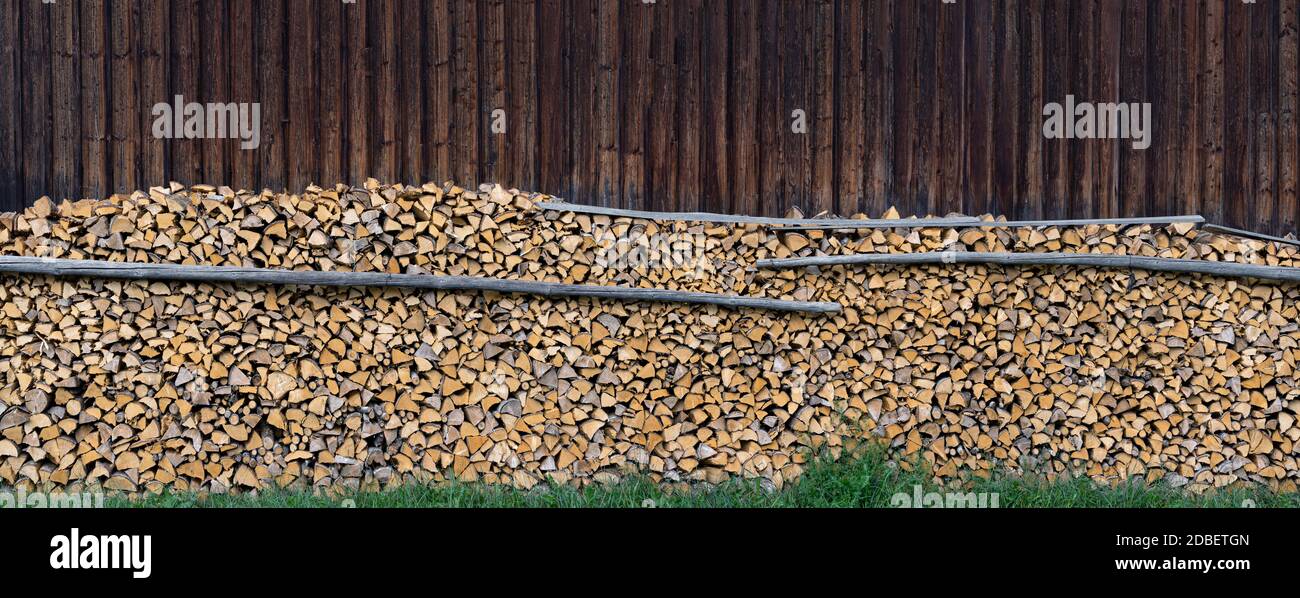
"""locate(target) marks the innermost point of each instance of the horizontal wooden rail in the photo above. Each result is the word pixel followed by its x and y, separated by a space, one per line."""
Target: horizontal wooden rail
pixel 1133 262
pixel 240 275
pixel 711 217
pixel 977 223
pixel 1248 234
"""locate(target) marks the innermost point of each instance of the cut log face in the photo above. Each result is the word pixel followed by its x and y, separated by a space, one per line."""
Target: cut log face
pixel 134 385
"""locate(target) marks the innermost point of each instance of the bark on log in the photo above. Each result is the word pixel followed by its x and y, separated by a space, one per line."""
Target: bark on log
pixel 230 274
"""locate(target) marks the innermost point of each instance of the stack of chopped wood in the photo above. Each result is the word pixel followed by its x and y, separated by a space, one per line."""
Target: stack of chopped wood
pixel 136 385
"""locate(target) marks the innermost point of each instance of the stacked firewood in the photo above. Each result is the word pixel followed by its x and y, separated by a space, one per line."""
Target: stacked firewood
pixel 138 385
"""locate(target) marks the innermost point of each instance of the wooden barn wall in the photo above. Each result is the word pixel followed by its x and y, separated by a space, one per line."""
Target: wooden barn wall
pixel 928 106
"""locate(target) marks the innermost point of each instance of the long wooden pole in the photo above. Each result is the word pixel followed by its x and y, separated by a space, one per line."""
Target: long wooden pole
pixel 1157 264
pixel 1248 234
pixel 711 217
pixel 240 275
pixel 977 223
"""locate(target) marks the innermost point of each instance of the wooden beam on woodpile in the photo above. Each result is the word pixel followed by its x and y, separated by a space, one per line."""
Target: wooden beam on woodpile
pixel 1132 262
pixel 792 222
pixel 962 222
pixel 1247 234
pixel 241 275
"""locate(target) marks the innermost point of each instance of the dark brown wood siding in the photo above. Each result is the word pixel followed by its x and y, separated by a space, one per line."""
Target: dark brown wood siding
pixel 673 104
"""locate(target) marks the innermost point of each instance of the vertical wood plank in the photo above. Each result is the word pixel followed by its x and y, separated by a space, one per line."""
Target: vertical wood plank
pixel 661 116
pixel 715 86
pixel 521 92
pixel 1288 154
pixel 333 106
pixel 1189 154
pixel 1130 79
pixel 94 99
pixel 214 86
pixel 885 35
pixel 1029 202
pixel 1109 15
pixel 902 78
pixel 797 79
pixel 1263 109
pixel 438 90
pixel 582 141
pixel 635 86
pixel 154 69
pixel 65 96
pixel 822 115
pixel 1006 105
pixel 271 81
pixel 922 199
pixel 382 40
pixel 556 125
pixel 1211 94
pixel 409 91
pixel 492 86
pixel 851 104
pixel 34 25
pixel 1166 131
pixel 185 51
pixel 949 81
pixel 466 107
pixel 689 39
pixel 11 198
pixel 1239 172
pixel 608 110
pixel 744 107
pixel 1132 89
pixel 1083 152
pixel 771 118
pixel 359 92
pixel 242 163
pixel 977 125
pixel 301 63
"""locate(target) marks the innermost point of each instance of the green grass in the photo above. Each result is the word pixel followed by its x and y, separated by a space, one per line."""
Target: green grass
pixel 868 480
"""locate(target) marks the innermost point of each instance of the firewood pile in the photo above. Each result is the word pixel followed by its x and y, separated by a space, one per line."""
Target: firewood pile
pixel 136 385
